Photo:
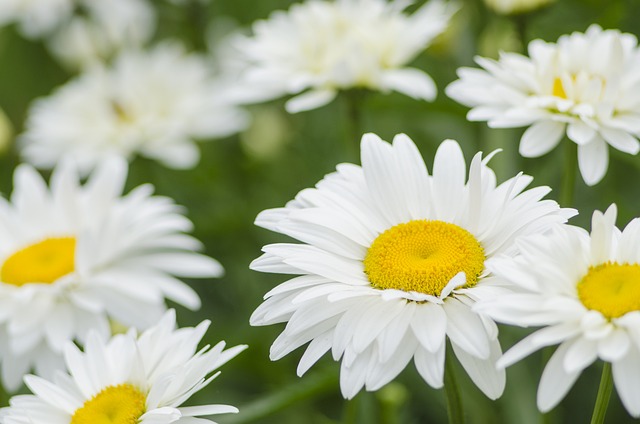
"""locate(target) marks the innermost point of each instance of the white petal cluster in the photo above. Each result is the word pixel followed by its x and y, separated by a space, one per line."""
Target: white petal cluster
pixel 509 7
pixel 587 86
pixel 150 103
pixel 320 47
pixel 128 251
pixel 545 278
pixel 162 363
pixel 82 31
pixel 375 333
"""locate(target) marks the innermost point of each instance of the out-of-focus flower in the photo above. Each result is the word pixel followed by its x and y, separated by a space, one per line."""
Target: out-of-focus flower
pixel 104 29
pixel 512 7
pixel 149 103
pixel 35 18
pixel 130 379
pixel 585 85
pixel 320 47
pixel 583 290
pixel 72 257
pixel 80 32
pixel 392 261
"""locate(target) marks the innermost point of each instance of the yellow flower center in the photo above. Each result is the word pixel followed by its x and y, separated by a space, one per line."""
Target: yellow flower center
pixel 122 404
pixel 43 262
pixel 611 288
pixel 423 256
pixel 558 89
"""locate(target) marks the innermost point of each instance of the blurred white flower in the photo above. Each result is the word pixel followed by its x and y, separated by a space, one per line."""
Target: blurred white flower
pixel 585 85
pixel 392 261
pixel 320 47
pixel 584 290
pixel 130 379
pixel 148 103
pixel 105 28
pixel 72 257
pixel 35 18
pixel 509 7
pixel 80 32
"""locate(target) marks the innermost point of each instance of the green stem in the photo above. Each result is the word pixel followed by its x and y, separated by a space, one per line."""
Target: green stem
pixel 604 394
pixel 312 386
pixel 353 133
pixel 454 401
pixel 569 176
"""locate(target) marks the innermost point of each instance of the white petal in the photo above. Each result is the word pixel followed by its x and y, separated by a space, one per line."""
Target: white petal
pixel 555 381
pixel 625 377
pixel 310 100
pixel 410 81
pixel 541 138
pixel 593 161
pixel 483 372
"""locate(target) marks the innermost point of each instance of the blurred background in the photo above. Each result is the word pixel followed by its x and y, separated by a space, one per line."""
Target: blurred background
pixel 280 154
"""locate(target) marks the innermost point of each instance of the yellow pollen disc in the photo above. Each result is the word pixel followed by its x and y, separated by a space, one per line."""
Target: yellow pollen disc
pixel 122 404
pixel 423 256
pixel 43 262
pixel 611 288
pixel 558 89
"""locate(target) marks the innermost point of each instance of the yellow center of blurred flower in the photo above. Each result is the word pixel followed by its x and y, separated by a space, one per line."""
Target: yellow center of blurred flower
pixel 611 288
pixel 122 404
pixel 42 262
pixel 423 256
pixel 558 89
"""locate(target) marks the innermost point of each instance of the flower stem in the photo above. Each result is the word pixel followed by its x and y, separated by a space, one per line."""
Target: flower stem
pixel 353 131
pixel 570 170
pixel 454 401
pixel 604 394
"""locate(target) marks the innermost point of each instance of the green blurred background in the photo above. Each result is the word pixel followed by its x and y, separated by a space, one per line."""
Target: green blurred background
pixel 281 154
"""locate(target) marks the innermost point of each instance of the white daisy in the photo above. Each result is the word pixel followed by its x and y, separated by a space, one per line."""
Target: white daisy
pixel 320 47
pixel 81 31
pixel 583 289
pixel 585 85
pixel 392 261
pixel 72 257
pixel 141 380
pixel 149 103
pixel 35 17
pixel 102 30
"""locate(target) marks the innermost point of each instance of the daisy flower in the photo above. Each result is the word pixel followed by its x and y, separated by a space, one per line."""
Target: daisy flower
pixel 149 103
pixel 583 290
pixel 129 379
pixel 320 47
pixel 74 257
pixel 81 31
pixel 586 86
pixel 102 30
pixel 391 262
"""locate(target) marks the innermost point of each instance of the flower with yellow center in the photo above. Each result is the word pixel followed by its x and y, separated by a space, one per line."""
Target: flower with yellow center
pixel 75 257
pixel 584 290
pixel 391 261
pixel 128 380
pixel 584 86
pixel 320 47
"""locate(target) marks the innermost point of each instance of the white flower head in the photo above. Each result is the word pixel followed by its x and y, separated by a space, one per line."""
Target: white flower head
pixel 586 85
pixel 151 103
pixel 320 47
pixel 73 257
pixel 511 7
pixel 35 17
pixel 129 379
pixel 583 290
pixel 82 31
pixel 392 260
pixel 104 29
